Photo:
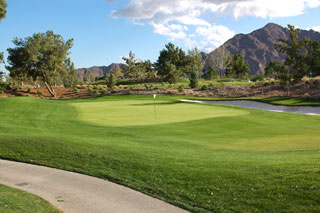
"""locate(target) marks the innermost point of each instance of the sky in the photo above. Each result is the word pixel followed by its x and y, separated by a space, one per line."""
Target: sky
pixel 106 30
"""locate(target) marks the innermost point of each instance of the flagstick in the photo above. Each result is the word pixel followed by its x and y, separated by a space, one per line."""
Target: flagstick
pixel 154 104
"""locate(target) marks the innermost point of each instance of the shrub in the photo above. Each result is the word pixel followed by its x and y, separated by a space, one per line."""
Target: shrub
pixel 90 90
pixel 39 93
pixel 28 90
pixel 219 86
pixel 258 77
pixel 180 88
pixel 76 90
pixel 204 87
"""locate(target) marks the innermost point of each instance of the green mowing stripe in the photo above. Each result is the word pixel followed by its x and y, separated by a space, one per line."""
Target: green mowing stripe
pixel 17 201
pixel 250 161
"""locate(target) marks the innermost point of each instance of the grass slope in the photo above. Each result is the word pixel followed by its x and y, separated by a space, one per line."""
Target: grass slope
pixel 13 200
pixel 251 161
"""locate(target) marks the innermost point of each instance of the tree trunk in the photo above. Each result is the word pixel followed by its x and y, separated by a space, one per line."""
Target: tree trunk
pixel 50 89
pixel 146 86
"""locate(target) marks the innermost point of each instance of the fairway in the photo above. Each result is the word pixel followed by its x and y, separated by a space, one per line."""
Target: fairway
pixel 201 157
pixel 145 112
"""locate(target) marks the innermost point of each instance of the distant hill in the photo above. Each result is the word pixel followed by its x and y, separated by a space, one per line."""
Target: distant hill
pixel 99 71
pixel 258 48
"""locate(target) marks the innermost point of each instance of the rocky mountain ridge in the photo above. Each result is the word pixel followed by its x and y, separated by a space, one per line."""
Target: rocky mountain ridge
pixel 98 71
pixel 258 47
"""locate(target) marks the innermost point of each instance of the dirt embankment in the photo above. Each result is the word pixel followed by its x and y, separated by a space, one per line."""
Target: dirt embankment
pixel 302 90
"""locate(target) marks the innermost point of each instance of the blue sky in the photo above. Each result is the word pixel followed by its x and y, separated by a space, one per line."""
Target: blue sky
pixel 106 30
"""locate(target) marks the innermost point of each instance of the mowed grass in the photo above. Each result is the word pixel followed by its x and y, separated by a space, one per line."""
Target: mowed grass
pixel 147 112
pixel 17 201
pixel 250 161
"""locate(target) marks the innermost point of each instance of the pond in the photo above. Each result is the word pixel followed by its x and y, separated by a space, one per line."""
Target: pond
pixel 258 105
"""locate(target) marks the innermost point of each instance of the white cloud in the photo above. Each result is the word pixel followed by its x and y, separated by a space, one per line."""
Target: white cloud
pixel 214 36
pixel 316 28
pixel 187 20
pixel 173 31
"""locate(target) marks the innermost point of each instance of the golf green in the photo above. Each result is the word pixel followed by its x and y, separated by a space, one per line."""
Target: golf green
pixel 201 157
pixel 146 112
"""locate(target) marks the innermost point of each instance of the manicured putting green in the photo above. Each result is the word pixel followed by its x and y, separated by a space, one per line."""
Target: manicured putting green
pixel 142 112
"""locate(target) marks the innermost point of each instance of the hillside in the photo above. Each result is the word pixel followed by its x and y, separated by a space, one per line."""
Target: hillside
pixel 257 47
pixel 98 71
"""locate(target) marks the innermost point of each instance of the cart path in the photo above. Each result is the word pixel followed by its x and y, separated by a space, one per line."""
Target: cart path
pixel 73 192
pixel 308 110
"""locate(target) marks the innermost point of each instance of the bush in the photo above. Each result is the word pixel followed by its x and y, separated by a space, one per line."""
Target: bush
pixel 204 87
pixel 76 90
pixel 39 93
pixel 4 86
pixel 90 90
pixel 28 90
pixel 258 77
pixel 226 79
pixel 180 88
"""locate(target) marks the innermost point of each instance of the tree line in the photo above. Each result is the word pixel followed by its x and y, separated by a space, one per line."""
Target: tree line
pixel 302 59
pixel 44 58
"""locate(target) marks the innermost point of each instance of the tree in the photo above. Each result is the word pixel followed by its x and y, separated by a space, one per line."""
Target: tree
pixel 129 68
pixel 3 11
pixel 70 77
pixel 41 56
pixel 237 67
pixel 296 53
pixel 217 59
pixel 86 76
pixel 210 73
pixel 1 61
pixel 111 80
pixel 137 69
pixel 281 72
pixel 171 55
pixel 194 66
pixel 313 58
pixel 173 74
pixel 272 70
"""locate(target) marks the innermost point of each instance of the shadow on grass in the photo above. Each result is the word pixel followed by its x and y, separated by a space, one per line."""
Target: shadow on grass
pixel 163 103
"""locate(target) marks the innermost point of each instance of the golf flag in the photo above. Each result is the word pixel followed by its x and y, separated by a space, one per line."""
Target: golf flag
pixel 154 96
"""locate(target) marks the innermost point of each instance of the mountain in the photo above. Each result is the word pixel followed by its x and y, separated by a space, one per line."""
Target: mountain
pixel 204 55
pixel 257 47
pixel 98 71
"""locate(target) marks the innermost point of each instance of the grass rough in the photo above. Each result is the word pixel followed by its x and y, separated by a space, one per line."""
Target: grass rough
pixel 14 200
pixel 254 161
